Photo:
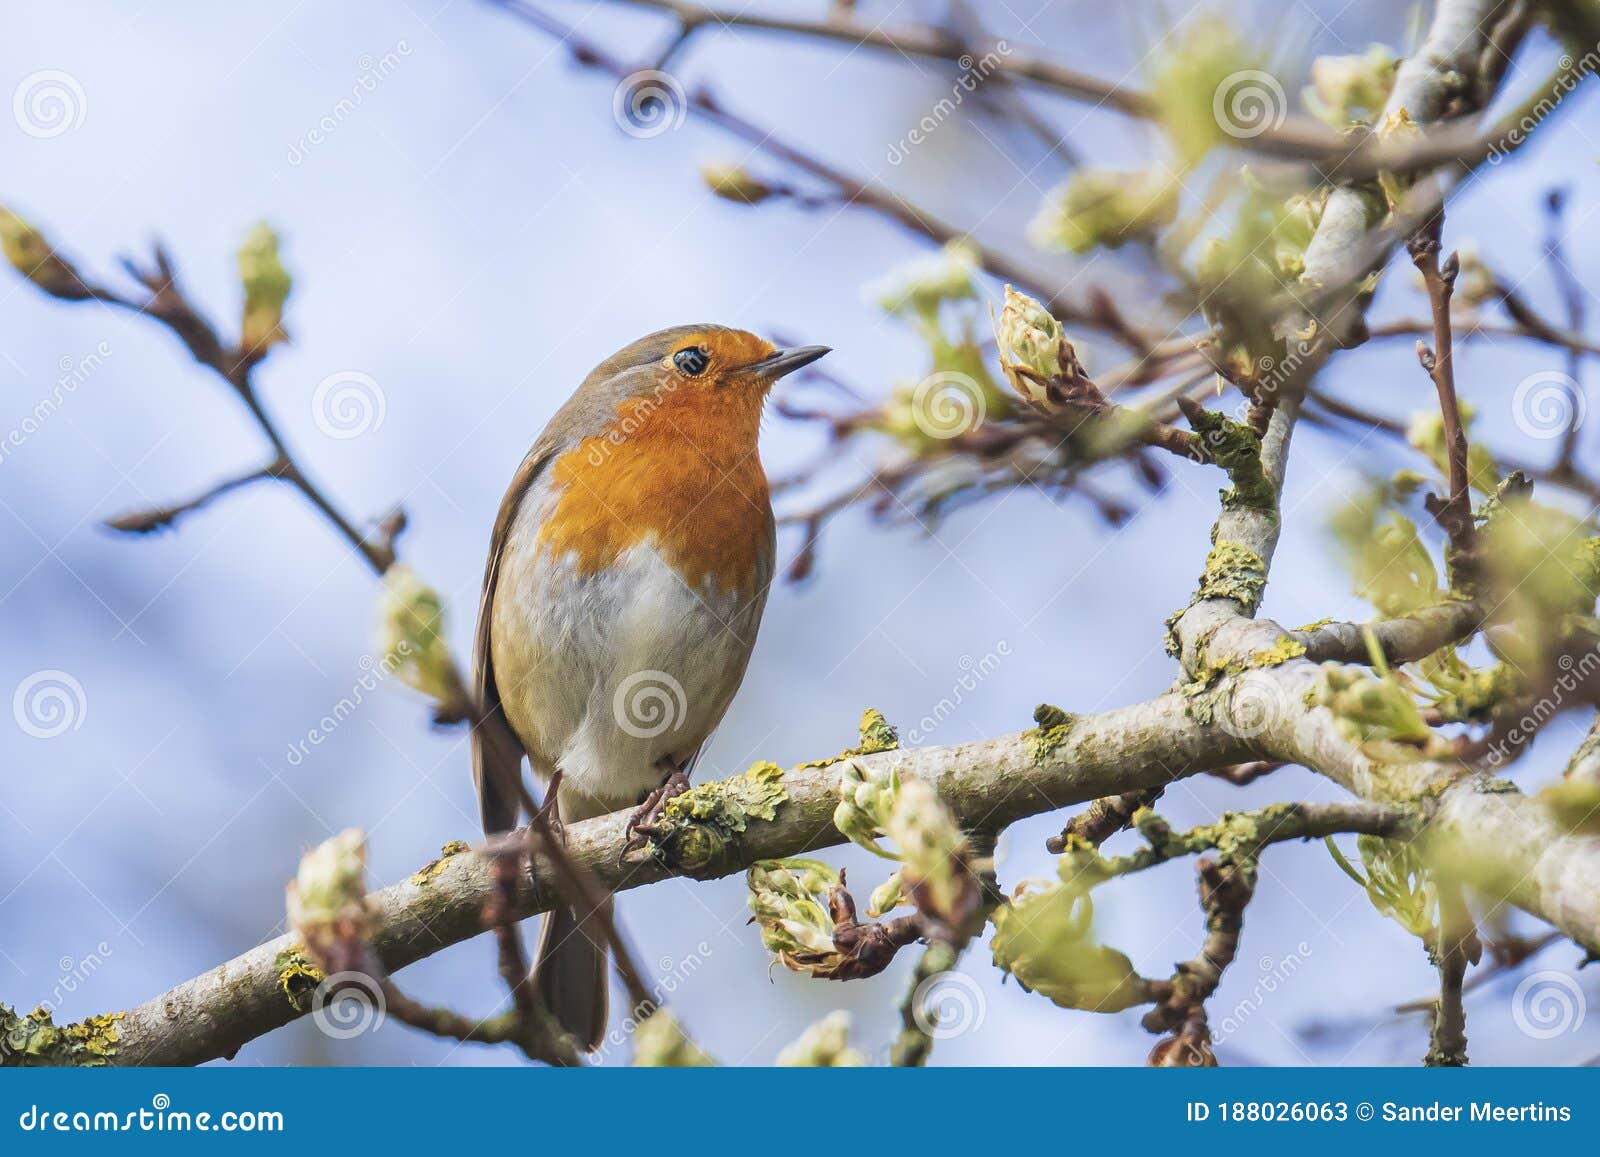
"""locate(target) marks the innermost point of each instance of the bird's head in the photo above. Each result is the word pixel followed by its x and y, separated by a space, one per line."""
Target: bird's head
pixel 699 361
pixel 712 358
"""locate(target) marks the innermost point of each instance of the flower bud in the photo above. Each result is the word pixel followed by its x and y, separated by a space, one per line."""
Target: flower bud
pixel 660 1043
pixel 825 1045
pixel 935 853
pixel 266 287
pixel 410 635
pixel 327 902
pixel 1106 208
pixel 31 255
pixel 865 805
pixel 886 897
pixel 1377 715
pixel 735 183
pixel 1347 90
pixel 788 901
pixel 921 286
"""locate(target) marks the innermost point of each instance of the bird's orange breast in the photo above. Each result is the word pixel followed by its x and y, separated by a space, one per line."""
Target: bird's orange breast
pixel 679 468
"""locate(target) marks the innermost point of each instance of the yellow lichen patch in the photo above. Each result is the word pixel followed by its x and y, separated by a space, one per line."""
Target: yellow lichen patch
pixel 97 1036
pixel 36 1039
pixel 430 871
pixel 696 827
pixel 877 734
pixel 1054 726
pixel 298 977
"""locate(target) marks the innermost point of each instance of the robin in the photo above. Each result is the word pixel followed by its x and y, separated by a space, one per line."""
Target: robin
pixel 626 579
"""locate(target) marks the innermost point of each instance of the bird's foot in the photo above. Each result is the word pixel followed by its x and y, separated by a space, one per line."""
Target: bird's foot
pixel 548 817
pixel 644 822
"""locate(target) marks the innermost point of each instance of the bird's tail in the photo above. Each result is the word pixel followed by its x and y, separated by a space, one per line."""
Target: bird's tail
pixel 569 973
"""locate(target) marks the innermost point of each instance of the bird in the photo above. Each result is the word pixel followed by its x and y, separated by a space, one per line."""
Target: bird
pixel 626 579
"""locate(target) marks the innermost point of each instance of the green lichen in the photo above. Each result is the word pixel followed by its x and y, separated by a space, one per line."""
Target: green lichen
pixel 1054 726
pixel 430 871
pixel 1210 673
pixel 35 1039
pixel 1237 449
pixel 297 976
pixel 1233 571
pixel 697 828
pixel 877 734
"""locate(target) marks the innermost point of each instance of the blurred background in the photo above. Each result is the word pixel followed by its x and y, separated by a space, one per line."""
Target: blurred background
pixel 469 228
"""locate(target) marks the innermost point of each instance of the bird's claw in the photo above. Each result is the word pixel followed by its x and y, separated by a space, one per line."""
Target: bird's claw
pixel 644 822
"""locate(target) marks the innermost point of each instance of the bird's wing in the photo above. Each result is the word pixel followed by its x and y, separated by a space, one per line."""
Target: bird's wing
pixel 496 750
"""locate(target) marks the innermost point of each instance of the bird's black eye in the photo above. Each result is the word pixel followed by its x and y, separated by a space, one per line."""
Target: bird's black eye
pixel 692 361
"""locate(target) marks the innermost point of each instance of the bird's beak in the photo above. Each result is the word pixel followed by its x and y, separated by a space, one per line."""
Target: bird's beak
pixel 783 362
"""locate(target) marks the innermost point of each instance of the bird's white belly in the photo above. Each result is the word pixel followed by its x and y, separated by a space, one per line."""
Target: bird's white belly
pixel 610 675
